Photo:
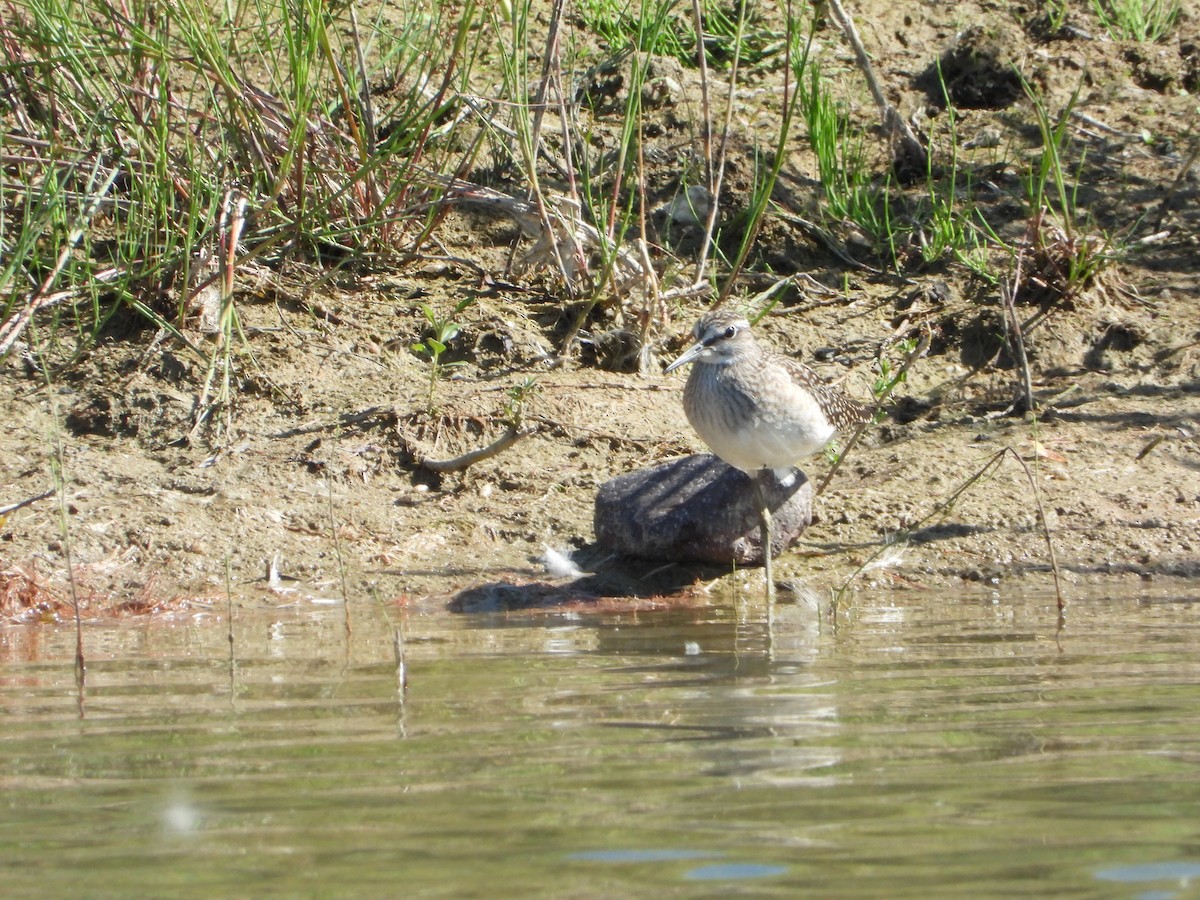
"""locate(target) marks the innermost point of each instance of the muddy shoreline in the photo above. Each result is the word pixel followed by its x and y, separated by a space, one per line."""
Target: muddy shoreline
pixel 297 497
pixel 310 478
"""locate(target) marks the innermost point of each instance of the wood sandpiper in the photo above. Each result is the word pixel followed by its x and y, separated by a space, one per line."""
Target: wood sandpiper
pixel 757 409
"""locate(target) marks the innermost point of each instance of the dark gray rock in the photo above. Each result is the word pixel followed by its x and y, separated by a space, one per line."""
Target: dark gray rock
pixel 698 509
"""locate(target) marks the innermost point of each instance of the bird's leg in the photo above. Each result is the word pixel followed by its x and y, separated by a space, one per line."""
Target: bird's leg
pixel 764 513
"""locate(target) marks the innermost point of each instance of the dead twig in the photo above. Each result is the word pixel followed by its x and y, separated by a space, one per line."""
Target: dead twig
pixel 459 463
pixel 42 298
pixel 946 505
pixel 21 504
pixel 1037 499
pixel 714 168
pixel 917 353
pixel 909 153
pixel 1008 293
pixel 1169 197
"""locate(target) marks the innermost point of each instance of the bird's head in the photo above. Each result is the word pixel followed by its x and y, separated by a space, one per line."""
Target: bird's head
pixel 721 337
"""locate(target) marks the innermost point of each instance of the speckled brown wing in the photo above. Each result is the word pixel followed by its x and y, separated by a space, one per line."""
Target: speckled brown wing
pixel 844 413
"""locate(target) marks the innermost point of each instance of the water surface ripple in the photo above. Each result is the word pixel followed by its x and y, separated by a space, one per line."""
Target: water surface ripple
pixel 925 745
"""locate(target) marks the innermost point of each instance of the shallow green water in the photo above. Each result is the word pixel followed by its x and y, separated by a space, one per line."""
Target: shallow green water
pixel 927 745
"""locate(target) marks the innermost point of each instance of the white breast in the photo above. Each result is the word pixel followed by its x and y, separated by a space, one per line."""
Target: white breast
pixel 769 430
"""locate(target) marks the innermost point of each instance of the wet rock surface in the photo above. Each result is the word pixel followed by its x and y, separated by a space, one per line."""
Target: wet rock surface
pixel 698 509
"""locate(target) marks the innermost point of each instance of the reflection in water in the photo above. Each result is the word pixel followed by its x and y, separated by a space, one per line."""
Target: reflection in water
pixel 950 745
pixel 180 815
pixel 639 856
pixel 1182 872
pixel 733 872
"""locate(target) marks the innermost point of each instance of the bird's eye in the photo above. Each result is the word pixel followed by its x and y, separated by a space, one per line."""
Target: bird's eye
pixel 730 332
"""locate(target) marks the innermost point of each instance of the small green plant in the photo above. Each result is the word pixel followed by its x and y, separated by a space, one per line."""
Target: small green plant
pixel 642 26
pixel 1056 15
pixel 1138 20
pixel 765 177
pixel 951 233
pixel 1063 257
pixel 731 30
pixel 267 96
pixel 515 399
pixel 442 330
pixel 737 34
pixel 946 229
pixel 841 159
pixel 1047 184
pixel 832 453
pixel 892 375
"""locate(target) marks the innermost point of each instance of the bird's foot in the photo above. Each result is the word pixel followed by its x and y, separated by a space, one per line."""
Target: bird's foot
pixel 786 477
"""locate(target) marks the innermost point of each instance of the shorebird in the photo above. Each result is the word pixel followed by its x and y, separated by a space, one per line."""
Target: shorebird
pixel 758 409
